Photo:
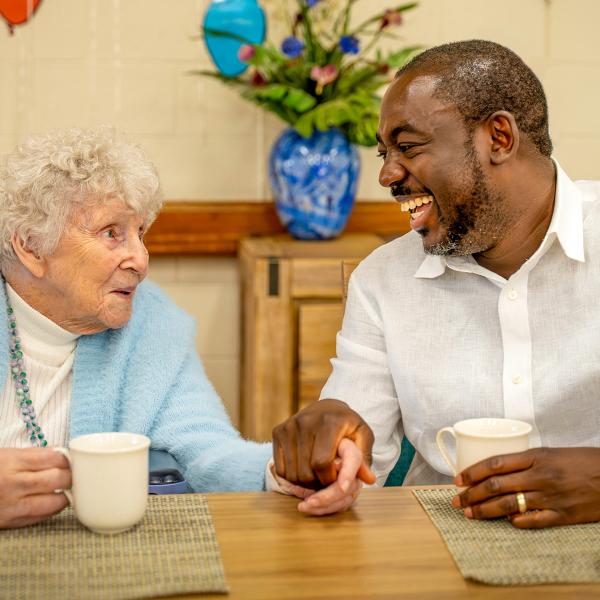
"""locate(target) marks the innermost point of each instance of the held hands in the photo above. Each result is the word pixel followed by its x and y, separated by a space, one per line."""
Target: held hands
pixel 561 484
pixel 29 478
pixel 312 446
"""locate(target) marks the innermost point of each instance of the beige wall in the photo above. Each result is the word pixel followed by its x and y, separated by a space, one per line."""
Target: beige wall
pixel 87 62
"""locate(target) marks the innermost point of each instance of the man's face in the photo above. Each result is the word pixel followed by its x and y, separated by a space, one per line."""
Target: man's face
pixel 434 169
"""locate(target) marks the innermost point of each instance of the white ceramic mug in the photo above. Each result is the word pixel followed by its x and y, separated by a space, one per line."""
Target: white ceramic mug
pixel 109 480
pixel 478 439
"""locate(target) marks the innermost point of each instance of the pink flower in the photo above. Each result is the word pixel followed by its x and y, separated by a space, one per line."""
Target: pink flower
pixel 391 18
pixel 323 76
pixel 246 52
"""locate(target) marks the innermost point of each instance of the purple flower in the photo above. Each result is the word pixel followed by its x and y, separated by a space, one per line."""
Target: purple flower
pixel 349 44
pixel 292 47
pixel 246 52
pixel 311 3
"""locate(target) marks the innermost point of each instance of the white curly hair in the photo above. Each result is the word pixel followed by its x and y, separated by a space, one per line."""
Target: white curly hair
pixel 46 178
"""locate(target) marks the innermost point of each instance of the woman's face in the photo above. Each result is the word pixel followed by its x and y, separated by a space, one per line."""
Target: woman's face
pixel 93 274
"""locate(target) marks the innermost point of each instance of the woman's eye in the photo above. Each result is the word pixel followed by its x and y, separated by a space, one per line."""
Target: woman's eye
pixel 382 154
pixel 109 233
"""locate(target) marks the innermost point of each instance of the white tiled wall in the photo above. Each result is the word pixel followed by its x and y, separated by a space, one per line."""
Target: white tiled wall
pixel 209 290
pixel 127 62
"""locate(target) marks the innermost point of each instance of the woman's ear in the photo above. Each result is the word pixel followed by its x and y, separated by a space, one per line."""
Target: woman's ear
pixel 35 264
pixel 503 136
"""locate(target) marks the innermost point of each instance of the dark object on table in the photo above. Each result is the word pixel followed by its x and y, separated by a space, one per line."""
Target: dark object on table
pixel 165 474
pixel 166 481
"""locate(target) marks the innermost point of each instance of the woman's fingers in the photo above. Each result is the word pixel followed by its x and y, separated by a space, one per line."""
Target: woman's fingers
pixel 42 482
pixel 33 509
pixel 330 496
pixel 339 506
pixel 352 459
pixel 36 459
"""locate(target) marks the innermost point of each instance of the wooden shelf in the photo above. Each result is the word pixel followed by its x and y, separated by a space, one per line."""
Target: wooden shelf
pixel 215 228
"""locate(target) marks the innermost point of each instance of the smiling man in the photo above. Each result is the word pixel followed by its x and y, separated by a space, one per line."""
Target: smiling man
pixel 489 308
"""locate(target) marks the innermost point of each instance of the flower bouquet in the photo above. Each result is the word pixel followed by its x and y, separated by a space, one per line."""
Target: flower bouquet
pixel 322 80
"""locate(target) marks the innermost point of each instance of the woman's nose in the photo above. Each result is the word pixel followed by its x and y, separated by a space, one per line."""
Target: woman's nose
pixel 138 257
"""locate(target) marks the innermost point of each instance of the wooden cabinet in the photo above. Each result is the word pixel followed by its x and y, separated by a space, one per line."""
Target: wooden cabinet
pixel 292 310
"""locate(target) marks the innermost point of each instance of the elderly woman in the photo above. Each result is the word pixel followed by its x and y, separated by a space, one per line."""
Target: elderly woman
pixel 89 349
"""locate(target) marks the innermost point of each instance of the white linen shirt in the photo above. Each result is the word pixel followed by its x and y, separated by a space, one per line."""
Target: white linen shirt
pixel 427 343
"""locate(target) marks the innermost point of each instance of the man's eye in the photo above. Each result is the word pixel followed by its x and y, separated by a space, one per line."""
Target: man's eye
pixel 382 154
pixel 109 233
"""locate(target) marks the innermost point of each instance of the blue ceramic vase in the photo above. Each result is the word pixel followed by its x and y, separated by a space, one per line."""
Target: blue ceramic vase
pixel 242 18
pixel 314 182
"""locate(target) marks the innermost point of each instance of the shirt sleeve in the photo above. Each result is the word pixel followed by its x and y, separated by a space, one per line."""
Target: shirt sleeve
pixel 362 378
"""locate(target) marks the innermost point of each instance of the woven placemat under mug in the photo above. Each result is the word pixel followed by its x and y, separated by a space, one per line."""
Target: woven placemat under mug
pixel 173 550
pixel 497 553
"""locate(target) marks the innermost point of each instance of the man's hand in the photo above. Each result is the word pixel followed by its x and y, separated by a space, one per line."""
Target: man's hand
pixel 561 484
pixel 338 496
pixel 28 480
pixel 306 445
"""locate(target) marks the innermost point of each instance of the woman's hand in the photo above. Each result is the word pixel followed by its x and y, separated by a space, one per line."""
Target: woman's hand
pixel 561 484
pixel 28 480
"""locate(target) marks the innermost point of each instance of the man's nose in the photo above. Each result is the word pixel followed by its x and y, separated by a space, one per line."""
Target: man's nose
pixel 392 173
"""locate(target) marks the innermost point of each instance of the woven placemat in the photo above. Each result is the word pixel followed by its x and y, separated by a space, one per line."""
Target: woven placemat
pixel 497 553
pixel 173 550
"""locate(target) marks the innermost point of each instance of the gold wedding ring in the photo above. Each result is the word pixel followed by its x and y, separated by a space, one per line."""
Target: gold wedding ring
pixel 521 502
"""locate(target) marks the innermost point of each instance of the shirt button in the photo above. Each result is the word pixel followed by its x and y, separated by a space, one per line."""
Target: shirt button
pixel 517 379
pixel 512 295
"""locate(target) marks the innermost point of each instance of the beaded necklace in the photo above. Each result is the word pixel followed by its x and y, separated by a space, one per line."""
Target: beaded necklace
pixel 36 436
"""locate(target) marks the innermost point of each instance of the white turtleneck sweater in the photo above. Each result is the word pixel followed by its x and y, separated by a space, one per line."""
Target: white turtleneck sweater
pixel 48 354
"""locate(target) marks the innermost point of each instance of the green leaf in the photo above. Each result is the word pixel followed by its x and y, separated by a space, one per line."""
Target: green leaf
pixel 320 119
pixel 299 100
pixel 232 36
pixel 273 92
pixel 304 125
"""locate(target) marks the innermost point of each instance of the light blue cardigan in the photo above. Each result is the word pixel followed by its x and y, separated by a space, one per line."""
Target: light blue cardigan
pixel 147 378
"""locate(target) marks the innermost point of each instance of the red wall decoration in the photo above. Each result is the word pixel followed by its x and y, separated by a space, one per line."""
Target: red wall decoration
pixel 17 12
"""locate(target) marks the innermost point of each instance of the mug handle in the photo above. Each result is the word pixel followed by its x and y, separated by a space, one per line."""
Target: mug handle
pixel 67 455
pixel 439 440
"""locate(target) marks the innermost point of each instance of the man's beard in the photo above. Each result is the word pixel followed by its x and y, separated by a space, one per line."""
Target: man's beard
pixel 477 223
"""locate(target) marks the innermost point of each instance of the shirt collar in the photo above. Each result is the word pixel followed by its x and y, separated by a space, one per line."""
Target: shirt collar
pixel 566 223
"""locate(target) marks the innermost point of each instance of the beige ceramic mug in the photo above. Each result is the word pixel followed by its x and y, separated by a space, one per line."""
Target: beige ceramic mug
pixel 478 439
pixel 109 489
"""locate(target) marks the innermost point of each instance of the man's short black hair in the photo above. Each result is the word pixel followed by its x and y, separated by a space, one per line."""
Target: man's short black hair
pixel 480 78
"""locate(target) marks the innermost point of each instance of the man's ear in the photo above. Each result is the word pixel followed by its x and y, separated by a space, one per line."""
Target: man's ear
pixel 503 135
pixel 34 263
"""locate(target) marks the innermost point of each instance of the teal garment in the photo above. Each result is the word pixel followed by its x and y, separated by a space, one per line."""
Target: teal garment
pixel 147 378
pixel 398 473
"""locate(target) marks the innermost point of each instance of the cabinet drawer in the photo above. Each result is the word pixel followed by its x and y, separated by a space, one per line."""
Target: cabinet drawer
pixel 318 325
pixel 316 278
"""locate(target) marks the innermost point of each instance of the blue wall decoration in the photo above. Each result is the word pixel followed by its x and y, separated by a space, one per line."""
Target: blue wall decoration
pixel 242 18
pixel 314 181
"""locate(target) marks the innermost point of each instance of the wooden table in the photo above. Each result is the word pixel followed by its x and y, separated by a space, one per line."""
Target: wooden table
pixel 384 547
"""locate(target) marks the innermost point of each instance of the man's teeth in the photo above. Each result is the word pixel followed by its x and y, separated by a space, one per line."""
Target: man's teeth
pixel 412 204
pixel 416 215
